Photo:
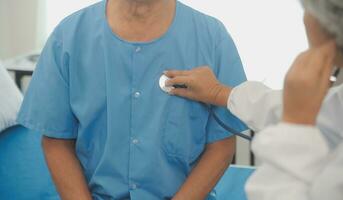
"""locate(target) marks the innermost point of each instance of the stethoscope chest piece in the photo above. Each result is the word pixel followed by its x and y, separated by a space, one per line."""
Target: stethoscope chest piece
pixel 162 84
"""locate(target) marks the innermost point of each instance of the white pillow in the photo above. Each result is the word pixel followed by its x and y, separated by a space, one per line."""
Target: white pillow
pixel 10 100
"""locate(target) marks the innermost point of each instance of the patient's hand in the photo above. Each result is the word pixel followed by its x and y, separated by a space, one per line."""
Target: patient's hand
pixel 65 169
pixel 202 85
pixel 211 167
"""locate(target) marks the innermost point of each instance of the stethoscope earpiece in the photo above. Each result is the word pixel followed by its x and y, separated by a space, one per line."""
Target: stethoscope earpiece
pixel 333 77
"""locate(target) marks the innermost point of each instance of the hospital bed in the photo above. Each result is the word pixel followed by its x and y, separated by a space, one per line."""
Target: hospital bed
pixel 24 175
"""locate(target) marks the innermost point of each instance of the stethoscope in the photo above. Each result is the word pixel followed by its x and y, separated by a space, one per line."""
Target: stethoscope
pixel 166 89
pixel 333 77
pixel 164 78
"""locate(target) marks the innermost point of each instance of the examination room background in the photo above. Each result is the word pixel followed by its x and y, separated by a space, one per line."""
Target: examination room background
pixel 268 34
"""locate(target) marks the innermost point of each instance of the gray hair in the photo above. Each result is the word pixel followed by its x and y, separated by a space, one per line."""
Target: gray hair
pixel 330 15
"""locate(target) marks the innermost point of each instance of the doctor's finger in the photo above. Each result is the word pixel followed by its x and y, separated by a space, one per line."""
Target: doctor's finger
pixel 301 62
pixel 329 50
pixel 327 68
pixel 179 80
pixel 326 73
pixel 323 57
pixel 182 93
pixel 330 53
pixel 299 67
pixel 175 73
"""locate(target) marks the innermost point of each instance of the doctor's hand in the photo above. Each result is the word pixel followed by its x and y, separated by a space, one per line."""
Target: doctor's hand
pixel 202 85
pixel 307 84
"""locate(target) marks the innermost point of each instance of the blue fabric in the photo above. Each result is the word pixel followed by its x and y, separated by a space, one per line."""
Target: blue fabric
pixel 132 139
pixel 231 186
pixel 23 172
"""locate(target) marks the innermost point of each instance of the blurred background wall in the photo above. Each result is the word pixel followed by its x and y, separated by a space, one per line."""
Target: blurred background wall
pixel 22 27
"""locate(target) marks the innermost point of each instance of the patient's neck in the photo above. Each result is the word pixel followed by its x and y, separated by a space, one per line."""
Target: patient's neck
pixel 140 20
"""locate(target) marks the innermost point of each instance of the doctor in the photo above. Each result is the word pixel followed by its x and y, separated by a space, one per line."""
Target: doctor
pixel 300 142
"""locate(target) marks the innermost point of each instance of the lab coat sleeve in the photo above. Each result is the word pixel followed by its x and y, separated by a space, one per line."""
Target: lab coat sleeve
pixel 297 164
pixel 329 184
pixel 256 105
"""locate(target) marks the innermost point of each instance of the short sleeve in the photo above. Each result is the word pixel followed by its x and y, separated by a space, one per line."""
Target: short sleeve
pixel 229 70
pixel 46 106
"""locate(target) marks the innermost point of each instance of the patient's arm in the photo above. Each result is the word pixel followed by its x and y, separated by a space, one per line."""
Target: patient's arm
pixel 204 177
pixel 65 169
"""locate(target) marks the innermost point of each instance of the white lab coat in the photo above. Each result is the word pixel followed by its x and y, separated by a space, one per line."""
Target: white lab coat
pixel 298 162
